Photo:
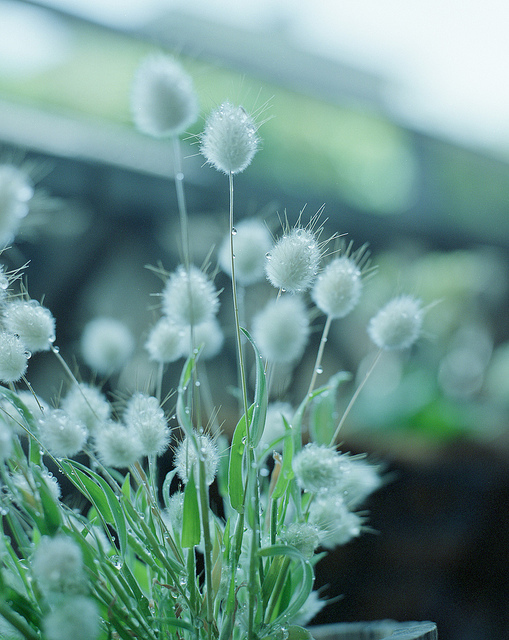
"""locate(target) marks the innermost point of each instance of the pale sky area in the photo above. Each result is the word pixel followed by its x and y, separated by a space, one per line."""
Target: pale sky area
pixel 447 59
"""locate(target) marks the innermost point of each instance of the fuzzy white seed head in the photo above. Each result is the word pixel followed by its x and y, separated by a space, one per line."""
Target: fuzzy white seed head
pixel 187 458
pixel 317 468
pixel 13 357
pixel 16 191
pixel 309 609
pixel 106 345
pixel 165 342
pixel 294 261
pixel 398 324
pixel 144 415
pixel 252 241
pixel 76 617
pixel 14 418
pixel 117 446
pixel 230 139
pixel 359 479
pixel 335 523
pixel 88 405
pixel 338 287
pixel 207 334
pixel 57 566
pixel 62 435
pixel 163 99
pixel 189 297
pixel 33 323
pixel 274 425
pixel 174 514
pixel 281 330
pixel 303 536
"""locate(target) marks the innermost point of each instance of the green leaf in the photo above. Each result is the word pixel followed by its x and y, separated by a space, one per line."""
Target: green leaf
pixel 191 531
pixel 183 409
pixel 305 583
pixel 323 419
pixel 235 479
pixel 257 421
pixel 286 471
pixel 101 495
pixel 52 515
pixel 298 633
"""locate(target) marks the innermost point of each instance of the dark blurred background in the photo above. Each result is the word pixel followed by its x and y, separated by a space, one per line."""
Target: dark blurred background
pixel 390 116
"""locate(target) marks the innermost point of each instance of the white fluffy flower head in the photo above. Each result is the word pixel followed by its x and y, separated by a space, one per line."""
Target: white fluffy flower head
pixel 63 435
pixel 163 99
pixel 208 335
pixel 76 618
pixel 230 139
pixel 33 323
pixel 146 418
pixel 252 241
pixel 87 405
pixel 58 566
pixel 281 329
pixel 165 341
pixel 398 324
pixel 117 446
pixel 317 468
pixel 106 345
pixel 335 523
pixel 293 263
pixel 13 357
pixel 189 297
pixel 16 191
pixel 187 458
pixel 338 287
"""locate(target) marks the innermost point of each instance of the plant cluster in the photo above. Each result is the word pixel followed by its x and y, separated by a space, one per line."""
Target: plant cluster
pixel 222 543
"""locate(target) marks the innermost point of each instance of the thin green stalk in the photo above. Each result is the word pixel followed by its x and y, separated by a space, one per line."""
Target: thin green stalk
pixel 240 354
pixel 319 355
pixel 207 547
pixel 278 587
pixel 17 621
pixel 354 398
pixel 181 202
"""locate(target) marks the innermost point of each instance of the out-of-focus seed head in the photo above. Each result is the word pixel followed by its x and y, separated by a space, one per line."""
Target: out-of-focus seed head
pixel 252 241
pixel 163 99
pixel 338 288
pixel 398 324
pixel 281 329
pixel 189 297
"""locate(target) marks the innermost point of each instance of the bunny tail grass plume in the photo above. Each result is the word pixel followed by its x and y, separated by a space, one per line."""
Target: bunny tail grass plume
pixel 338 287
pixel 62 435
pixel 117 446
pixel 16 191
pixel 33 323
pixel 252 242
pixel 189 297
pixel 163 99
pixel 186 458
pixel 13 358
pixel 294 261
pixel 76 618
pixel 281 330
pixel 87 405
pixel 230 139
pixel 146 418
pixel 165 341
pixel 398 324
pixel 106 345
pixel 57 566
